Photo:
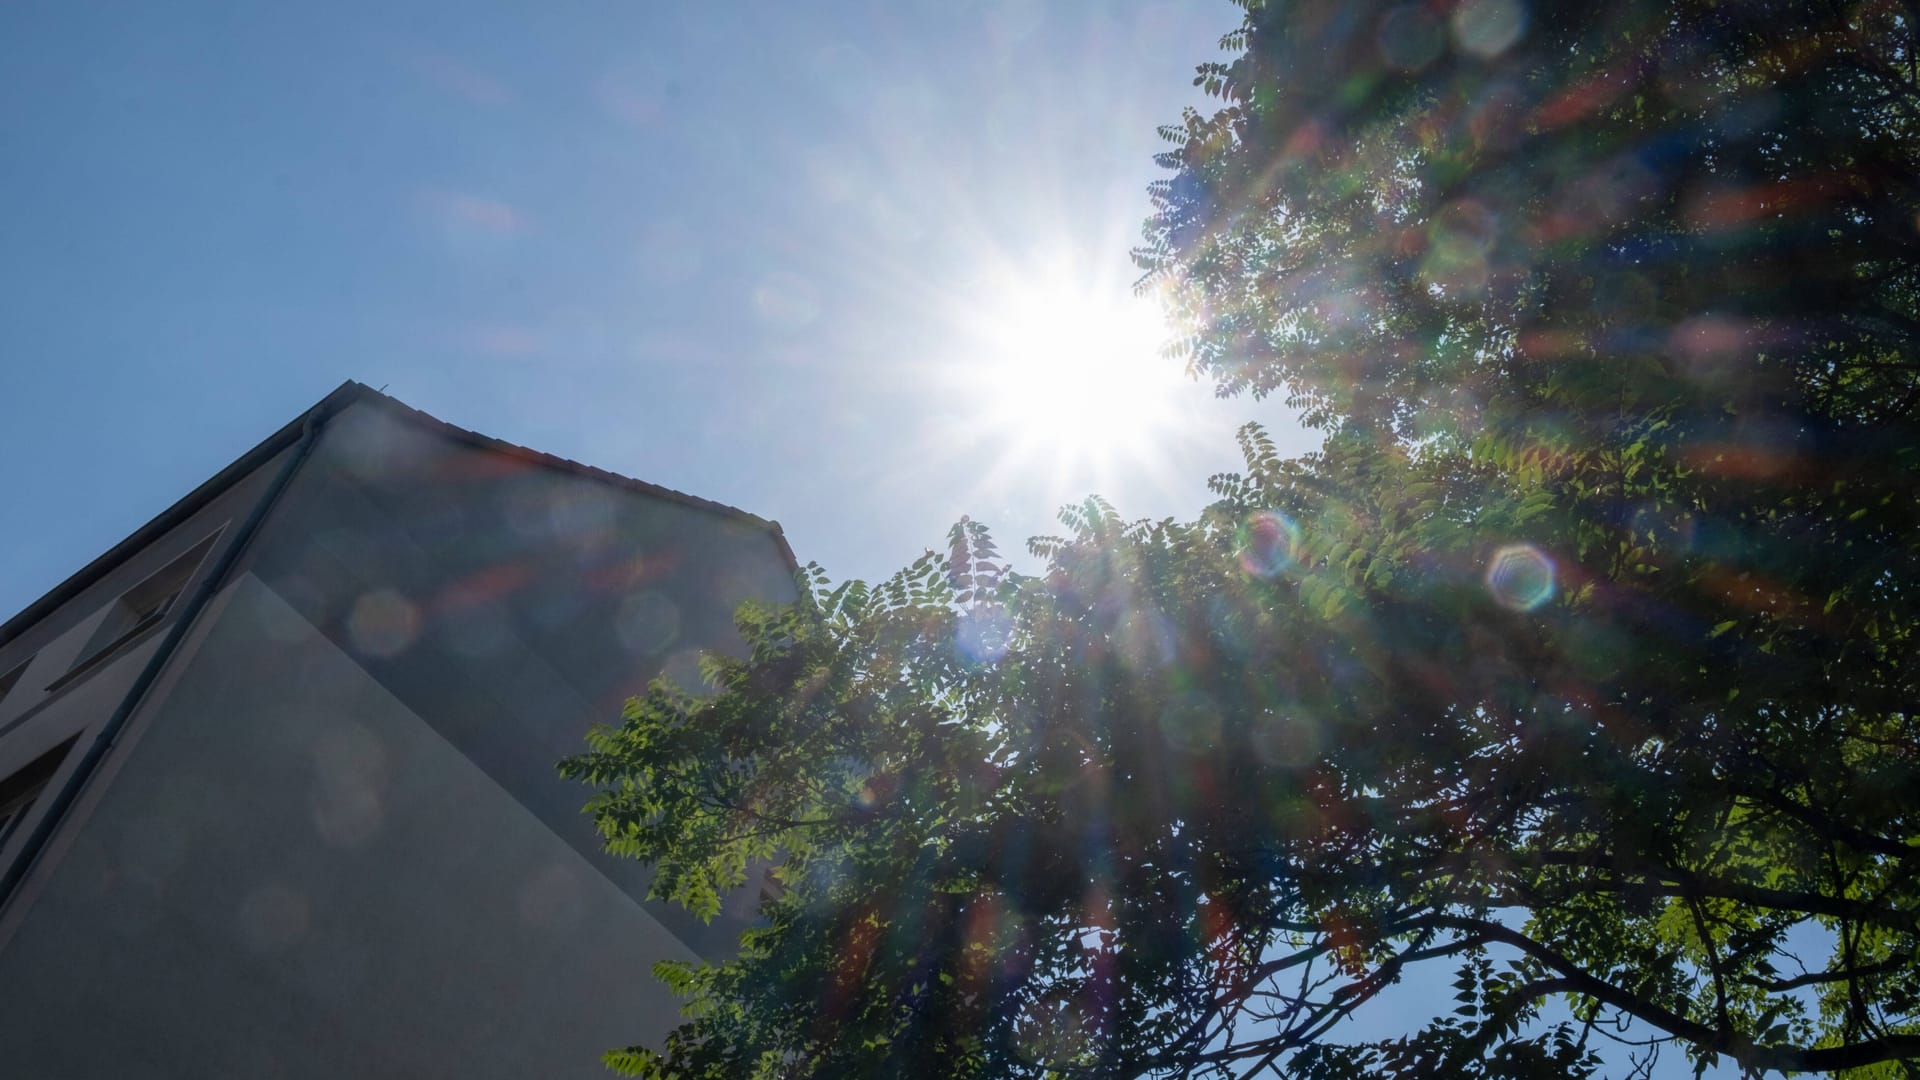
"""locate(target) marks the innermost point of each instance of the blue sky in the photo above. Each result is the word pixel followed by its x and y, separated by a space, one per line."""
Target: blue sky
pixel 777 255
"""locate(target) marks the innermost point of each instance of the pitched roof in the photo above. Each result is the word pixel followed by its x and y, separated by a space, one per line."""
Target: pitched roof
pixel 350 393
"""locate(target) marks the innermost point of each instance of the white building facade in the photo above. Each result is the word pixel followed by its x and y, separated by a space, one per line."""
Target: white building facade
pixel 277 774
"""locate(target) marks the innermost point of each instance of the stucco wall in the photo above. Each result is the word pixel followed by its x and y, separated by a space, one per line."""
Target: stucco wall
pixel 333 842
pixel 512 606
pixel 43 709
pixel 293 874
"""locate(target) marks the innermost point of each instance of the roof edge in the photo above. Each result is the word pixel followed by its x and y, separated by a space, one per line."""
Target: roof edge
pixel 554 461
pixel 348 393
pixel 183 508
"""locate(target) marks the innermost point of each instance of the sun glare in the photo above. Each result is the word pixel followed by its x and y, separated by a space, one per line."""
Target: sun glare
pixel 1072 377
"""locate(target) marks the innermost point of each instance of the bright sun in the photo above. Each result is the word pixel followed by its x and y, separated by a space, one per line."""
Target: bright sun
pixel 1071 377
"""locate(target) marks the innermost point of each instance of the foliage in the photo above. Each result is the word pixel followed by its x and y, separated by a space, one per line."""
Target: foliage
pixel 1577 662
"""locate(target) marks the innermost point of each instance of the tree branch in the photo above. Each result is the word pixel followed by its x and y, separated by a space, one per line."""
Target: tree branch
pixel 1747 1053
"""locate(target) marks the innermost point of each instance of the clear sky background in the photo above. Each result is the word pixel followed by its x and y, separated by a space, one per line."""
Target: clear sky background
pixel 818 261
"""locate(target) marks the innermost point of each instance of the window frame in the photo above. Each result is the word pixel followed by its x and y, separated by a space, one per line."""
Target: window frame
pixel 148 615
pixel 21 790
pixel 11 678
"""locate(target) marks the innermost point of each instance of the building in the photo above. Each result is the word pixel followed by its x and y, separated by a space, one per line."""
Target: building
pixel 279 793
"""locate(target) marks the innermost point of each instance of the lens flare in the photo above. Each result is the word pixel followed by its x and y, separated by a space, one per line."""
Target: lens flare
pixel 1410 38
pixel 1063 368
pixel 983 634
pixel 383 623
pixel 647 623
pixel 1286 741
pixel 1191 723
pixel 1269 543
pixel 1520 577
pixel 1487 28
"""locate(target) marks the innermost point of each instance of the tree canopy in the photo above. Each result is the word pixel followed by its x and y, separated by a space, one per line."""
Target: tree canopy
pixel 1578 662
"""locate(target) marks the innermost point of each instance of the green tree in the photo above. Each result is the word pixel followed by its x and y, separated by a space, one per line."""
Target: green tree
pixel 1578 662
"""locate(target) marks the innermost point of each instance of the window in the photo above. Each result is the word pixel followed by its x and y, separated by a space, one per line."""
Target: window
pixel 19 791
pixel 142 607
pixel 8 680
